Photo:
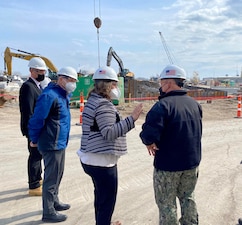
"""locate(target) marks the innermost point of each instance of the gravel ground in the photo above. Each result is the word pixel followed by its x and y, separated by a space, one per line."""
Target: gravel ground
pixel 218 192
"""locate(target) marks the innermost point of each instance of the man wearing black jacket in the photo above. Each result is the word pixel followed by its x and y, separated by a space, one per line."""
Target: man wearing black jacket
pixel 29 92
pixel 172 134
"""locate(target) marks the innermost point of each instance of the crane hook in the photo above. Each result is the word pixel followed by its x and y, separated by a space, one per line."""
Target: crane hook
pixel 97 22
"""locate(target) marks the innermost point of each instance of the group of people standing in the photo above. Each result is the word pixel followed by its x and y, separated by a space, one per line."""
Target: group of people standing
pixel 45 121
pixel 172 133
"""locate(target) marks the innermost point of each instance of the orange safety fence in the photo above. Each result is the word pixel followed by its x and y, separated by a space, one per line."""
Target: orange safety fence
pixel 156 98
pixel 196 98
pixel 8 96
pixel 81 108
pixel 239 107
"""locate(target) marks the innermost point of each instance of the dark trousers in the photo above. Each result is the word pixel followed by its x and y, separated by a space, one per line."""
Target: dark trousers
pixel 105 180
pixel 54 162
pixel 34 167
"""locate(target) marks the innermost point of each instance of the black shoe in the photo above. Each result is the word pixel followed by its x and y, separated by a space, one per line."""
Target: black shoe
pixel 240 221
pixel 54 218
pixel 61 207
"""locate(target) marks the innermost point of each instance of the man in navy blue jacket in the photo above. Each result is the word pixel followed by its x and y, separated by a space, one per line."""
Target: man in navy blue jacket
pixel 49 129
pixel 172 132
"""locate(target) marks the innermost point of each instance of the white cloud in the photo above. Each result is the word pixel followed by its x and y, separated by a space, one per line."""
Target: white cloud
pixel 202 35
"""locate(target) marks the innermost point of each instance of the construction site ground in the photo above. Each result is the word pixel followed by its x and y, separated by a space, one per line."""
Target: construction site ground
pixel 218 192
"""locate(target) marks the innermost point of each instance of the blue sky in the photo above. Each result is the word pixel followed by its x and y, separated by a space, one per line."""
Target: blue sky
pixel 202 35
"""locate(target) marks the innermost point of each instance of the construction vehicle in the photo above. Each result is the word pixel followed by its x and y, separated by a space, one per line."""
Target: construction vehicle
pixel 26 56
pixel 122 71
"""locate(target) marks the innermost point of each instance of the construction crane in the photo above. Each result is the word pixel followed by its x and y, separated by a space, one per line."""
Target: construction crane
pixel 166 48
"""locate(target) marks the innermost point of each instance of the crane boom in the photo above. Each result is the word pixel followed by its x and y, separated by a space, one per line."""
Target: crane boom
pixel 166 48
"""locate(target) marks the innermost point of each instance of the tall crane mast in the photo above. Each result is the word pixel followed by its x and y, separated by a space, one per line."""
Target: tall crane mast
pixel 166 48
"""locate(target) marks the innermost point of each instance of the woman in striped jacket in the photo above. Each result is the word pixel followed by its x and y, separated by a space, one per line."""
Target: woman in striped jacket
pixel 104 141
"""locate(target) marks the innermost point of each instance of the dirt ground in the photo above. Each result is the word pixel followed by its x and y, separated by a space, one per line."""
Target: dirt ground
pixel 220 109
pixel 218 192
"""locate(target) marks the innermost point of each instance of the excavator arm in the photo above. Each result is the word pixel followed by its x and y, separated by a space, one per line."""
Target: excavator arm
pixel 123 72
pixel 26 56
pixel 112 53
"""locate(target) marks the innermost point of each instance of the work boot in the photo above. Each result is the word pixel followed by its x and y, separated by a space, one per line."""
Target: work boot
pixel 61 206
pixel 54 218
pixel 36 191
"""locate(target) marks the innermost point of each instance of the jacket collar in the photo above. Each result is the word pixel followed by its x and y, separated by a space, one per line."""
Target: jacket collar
pixel 173 93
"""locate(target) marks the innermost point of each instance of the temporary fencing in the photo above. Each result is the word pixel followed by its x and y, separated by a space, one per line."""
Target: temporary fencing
pixel 196 98
pixel 81 108
pixel 6 97
pixel 239 107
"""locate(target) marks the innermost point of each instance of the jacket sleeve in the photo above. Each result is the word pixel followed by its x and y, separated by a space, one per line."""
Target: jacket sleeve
pixel 27 99
pixel 41 112
pixel 110 128
pixel 153 127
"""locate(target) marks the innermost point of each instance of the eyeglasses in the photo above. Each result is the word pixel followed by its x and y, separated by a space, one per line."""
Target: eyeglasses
pixel 69 79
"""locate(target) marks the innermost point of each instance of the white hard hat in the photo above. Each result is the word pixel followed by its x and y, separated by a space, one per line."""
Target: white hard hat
pixel 69 72
pixel 37 63
pixel 173 72
pixel 105 73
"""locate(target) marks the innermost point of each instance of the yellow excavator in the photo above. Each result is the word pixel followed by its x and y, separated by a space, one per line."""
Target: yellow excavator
pixel 123 72
pixel 26 56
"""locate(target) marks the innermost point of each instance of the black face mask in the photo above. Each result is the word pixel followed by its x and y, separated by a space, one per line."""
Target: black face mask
pixel 40 77
pixel 161 93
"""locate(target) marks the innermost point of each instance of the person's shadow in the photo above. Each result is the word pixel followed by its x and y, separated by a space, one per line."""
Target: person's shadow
pixel 6 199
pixel 17 218
pixel 5 221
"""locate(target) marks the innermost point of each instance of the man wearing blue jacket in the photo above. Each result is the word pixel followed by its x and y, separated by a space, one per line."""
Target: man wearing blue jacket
pixel 49 129
pixel 172 133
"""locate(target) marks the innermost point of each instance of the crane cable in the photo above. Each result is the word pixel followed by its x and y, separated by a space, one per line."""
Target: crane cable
pixel 97 23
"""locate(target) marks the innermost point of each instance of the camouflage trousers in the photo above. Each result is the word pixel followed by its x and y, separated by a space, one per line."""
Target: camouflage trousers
pixel 168 186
